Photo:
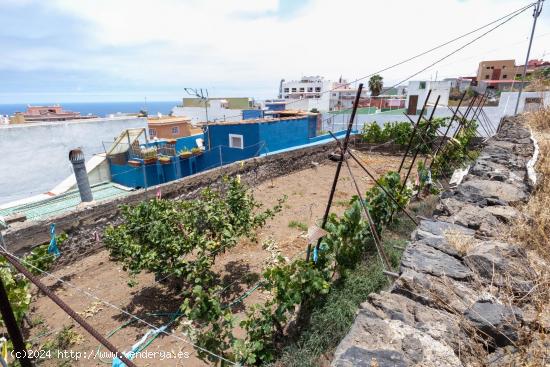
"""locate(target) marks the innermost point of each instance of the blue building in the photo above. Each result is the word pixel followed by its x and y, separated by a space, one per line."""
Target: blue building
pixel 247 138
pixel 221 143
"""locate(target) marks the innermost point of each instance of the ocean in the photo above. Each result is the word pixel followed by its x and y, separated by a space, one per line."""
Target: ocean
pixel 100 109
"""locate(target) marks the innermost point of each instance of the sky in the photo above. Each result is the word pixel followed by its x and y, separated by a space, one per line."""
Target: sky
pixel 128 50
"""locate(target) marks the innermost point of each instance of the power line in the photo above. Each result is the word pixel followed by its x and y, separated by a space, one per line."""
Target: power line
pixel 512 14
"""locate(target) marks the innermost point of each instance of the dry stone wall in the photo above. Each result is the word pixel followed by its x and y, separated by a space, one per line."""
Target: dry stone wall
pixel 447 308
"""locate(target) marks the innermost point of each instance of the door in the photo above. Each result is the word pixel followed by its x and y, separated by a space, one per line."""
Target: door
pixel 496 74
pixel 413 103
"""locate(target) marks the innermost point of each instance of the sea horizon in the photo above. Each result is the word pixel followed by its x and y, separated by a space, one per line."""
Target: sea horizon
pixel 100 109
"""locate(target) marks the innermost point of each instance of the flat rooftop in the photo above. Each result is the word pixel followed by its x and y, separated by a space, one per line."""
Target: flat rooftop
pixel 64 202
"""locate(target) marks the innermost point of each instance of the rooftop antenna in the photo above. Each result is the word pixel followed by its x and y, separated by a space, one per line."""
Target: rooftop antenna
pixel 200 94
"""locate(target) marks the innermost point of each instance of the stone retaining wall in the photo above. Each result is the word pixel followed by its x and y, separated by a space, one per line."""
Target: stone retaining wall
pixel 86 225
pixel 447 308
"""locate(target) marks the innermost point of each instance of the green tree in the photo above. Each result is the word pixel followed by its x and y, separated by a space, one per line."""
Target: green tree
pixel 376 84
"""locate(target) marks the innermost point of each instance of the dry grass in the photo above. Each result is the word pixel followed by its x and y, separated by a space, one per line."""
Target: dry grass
pixel 459 241
pixel 532 230
pixel 533 227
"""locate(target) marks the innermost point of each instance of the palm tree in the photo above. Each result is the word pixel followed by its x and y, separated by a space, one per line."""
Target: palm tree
pixel 375 85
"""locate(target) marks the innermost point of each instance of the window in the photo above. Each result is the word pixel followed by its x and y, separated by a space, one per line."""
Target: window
pixel 175 130
pixel 422 85
pixel 294 89
pixel 492 67
pixel 152 132
pixel 488 68
pixel 503 67
pixel 286 90
pixel 505 76
pixel 302 89
pixel 487 76
pixel 236 141
pixel 286 97
pixel 317 89
pixel 310 89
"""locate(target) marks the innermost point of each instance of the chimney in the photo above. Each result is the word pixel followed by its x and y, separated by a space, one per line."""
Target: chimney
pixel 77 159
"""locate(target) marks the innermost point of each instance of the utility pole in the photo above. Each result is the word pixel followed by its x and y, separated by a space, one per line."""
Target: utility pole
pixel 536 12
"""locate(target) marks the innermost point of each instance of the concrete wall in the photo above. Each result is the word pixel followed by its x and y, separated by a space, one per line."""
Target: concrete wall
pixel 35 157
pixel 506 107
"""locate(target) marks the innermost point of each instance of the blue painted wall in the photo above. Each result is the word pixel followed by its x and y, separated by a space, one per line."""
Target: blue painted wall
pixel 253 114
pixel 282 134
pixel 219 134
pixel 275 106
pixel 188 141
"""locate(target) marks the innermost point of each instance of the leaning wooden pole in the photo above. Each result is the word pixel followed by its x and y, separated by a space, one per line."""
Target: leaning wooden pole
pixel 376 181
pixel 68 310
pixel 428 124
pixel 338 168
pixel 413 133
pixel 447 131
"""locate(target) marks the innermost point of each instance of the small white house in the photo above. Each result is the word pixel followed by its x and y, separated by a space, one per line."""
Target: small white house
pixel 417 92
pixel 216 110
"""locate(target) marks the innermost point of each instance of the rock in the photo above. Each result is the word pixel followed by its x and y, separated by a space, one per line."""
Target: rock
pixel 426 259
pixel 437 242
pixel 502 264
pixel 437 323
pixel 501 357
pixel 388 343
pixel 473 195
pixel 439 228
pixel 359 357
pixel 437 292
pixel 470 216
pixel 496 323
pixel 499 190
pixel 505 214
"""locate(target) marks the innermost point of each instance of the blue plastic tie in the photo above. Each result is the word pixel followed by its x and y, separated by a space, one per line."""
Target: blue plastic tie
pixel 315 254
pixel 52 248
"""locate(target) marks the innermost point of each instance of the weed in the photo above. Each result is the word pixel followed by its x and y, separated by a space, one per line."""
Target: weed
pixel 64 339
pixel 298 225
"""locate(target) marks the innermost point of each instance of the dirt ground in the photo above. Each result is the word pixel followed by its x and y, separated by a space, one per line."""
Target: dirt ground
pixel 307 194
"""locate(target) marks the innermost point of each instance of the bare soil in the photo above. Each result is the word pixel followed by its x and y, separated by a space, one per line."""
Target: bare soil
pixel 307 194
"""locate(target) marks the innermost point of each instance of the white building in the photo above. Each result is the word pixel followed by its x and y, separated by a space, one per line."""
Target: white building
pixel 417 92
pixel 213 109
pixel 316 92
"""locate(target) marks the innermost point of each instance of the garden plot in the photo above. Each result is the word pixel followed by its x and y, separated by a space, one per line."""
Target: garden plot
pixel 239 270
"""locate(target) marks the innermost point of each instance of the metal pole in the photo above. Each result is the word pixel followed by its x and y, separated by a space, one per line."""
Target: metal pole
pixel 19 349
pixel 414 132
pixel 375 181
pixel 478 112
pixel 536 12
pixel 447 131
pixel 69 311
pixel 338 168
pixel 429 122
pixel 375 235
pixel 464 117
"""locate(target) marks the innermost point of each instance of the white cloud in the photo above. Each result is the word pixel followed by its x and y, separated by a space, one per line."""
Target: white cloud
pixel 244 46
